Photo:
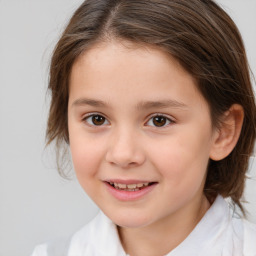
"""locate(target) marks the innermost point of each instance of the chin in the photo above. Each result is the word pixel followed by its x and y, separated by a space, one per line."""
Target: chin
pixel 130 219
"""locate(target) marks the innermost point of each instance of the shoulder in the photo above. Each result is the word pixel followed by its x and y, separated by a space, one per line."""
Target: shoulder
pixel 244 232
pixel 98 237
pixel 40 250
pixel 61 246
pixel 55 247
pixel 249 238
pixel 237 235
pixel 249 228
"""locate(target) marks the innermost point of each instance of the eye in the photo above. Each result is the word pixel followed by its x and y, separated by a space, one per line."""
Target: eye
pixel 95 120
pixel 159 121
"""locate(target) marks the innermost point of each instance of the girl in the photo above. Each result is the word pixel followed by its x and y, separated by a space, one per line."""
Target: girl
pixel 154 100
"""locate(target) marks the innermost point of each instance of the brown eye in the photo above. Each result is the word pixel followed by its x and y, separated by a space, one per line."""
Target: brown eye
pixel 96 120
pixel 159 121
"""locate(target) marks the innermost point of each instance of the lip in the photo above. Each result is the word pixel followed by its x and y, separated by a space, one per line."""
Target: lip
pixel 123 195
pixel 127 182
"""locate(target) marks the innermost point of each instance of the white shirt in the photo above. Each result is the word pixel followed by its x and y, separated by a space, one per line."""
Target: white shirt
pixel 219 233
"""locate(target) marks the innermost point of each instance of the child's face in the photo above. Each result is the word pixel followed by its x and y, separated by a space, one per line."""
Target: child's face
pixel 135 116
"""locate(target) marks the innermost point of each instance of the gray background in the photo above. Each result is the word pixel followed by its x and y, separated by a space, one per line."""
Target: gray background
pixel 35 203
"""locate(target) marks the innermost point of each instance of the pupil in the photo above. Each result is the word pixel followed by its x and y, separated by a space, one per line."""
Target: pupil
pixel 159 121
pixel 98 120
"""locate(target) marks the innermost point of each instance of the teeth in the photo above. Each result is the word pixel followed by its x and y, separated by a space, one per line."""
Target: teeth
pixel 132 186
pixel 129 187
pixel 135 189
pixel 122 186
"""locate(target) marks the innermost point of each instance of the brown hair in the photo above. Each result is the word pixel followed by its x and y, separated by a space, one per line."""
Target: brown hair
pixel 200 35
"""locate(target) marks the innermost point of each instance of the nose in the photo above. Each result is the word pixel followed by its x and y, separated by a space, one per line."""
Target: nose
pixel 125 150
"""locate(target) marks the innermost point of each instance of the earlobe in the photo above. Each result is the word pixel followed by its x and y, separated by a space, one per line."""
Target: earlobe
pixel 226 137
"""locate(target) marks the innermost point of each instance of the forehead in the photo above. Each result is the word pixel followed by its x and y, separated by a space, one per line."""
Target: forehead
pixel 102 57
pixel 131 71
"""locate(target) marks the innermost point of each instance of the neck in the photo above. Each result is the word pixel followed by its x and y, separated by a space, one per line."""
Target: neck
pixel 161 237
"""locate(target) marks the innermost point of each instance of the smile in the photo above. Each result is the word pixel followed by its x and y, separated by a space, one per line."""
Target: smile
pixel 130 187
pixel 129 190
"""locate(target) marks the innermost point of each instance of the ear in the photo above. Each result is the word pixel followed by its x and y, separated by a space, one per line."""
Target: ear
pixel 226 137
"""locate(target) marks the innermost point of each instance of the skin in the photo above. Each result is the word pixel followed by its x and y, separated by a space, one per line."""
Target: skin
pixel 119 81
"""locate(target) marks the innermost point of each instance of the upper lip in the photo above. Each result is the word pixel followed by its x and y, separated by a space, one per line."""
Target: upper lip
pixel 127 182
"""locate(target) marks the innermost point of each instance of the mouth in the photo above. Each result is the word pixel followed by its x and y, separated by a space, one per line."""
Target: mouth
pixel 131 187
pixel 129 190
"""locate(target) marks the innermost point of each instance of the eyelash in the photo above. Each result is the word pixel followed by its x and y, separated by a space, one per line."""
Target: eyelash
pixel 91 115
pixel 166 119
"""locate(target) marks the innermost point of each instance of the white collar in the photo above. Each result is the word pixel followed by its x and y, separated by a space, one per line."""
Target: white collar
pixel 207 238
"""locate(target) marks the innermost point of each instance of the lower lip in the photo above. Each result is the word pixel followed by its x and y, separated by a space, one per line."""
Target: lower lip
pixel 124 195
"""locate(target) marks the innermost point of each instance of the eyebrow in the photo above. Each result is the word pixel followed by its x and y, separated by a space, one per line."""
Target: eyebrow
pixel 90 102
pixel 161 104
pixel 141 105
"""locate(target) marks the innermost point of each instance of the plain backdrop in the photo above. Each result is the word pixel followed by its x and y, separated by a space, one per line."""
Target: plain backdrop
pixel 35 203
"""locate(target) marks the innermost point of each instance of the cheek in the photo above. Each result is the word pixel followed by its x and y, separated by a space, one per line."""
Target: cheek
pixel 86 155
pixel 86 162
pixel 182 161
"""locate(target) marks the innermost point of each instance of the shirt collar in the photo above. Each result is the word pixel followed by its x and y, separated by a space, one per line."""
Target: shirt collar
pixel 207 237
pixel 207 234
